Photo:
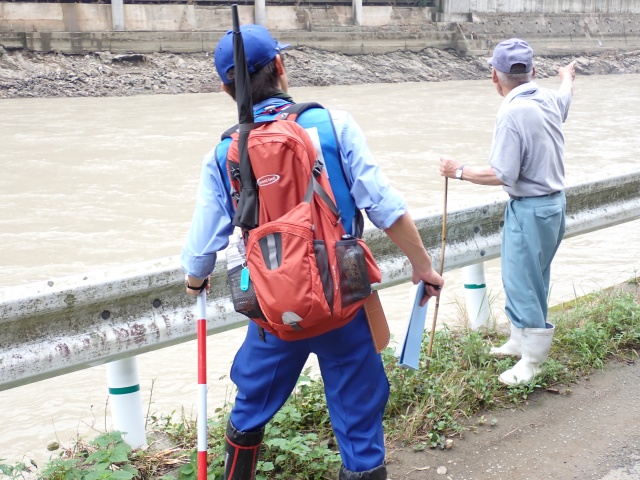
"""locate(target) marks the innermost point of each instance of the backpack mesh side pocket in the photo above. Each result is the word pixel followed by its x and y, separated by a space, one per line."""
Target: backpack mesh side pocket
pixel 322 260
pixel 352 266
pixel 244 301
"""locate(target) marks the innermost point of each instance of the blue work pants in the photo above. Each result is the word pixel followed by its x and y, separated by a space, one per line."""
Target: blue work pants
pixel 356 386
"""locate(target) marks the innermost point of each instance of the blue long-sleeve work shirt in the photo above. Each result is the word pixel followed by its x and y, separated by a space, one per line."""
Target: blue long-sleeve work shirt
pixel 211 224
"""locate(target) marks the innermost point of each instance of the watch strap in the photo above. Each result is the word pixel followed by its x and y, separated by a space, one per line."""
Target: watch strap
pixel 201 287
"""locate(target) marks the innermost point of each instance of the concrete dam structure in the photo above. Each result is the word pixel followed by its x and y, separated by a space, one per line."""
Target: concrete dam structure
pixel 469 26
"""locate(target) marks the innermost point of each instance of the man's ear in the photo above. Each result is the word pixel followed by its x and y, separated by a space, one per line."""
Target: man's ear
pixel 225 88
pixel 533 73
pixel 494 76
pixel 496 81
pixel 279 65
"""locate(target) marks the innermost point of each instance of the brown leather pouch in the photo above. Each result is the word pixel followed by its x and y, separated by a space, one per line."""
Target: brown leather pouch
pixel 377 322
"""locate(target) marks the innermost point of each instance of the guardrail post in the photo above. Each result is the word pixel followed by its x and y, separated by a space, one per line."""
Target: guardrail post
pixel 126 405
pixel 475 294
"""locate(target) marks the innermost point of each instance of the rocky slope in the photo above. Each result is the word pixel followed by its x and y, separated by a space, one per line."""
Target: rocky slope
pixel 30 74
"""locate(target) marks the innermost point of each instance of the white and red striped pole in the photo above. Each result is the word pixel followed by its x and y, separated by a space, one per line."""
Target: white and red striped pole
pixel 201 307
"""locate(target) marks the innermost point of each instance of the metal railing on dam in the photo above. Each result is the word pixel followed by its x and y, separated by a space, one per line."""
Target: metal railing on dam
pixel 62 325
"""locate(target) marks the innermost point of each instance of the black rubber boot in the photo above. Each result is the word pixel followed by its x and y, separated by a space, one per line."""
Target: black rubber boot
pixel 378 473
pixel 242 451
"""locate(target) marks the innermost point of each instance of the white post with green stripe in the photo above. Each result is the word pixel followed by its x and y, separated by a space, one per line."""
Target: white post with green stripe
pixel 475 294
pixel 126 404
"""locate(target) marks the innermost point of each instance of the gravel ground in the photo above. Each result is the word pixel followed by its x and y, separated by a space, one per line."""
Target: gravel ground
pixel 587 431
pixel 30 74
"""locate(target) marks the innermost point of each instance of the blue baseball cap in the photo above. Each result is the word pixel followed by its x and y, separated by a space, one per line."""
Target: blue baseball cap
pixel 512 56
pixel 259 48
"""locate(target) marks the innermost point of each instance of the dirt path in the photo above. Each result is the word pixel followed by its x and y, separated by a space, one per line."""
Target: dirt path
pixel 587 430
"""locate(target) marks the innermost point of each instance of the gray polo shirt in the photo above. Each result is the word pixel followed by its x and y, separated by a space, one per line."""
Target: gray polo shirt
pixel 527 153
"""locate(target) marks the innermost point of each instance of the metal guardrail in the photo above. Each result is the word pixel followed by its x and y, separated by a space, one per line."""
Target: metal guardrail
pixel 62 325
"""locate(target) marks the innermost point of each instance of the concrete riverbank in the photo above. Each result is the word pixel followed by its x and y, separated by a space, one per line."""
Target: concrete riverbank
pixel 25 73
pixel 63 49
pixel 467 27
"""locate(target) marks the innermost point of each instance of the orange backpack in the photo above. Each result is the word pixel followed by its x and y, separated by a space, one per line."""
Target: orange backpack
pixel 307 276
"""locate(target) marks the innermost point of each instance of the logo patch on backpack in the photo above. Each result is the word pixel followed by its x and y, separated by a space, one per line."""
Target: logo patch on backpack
pixel 307 276
pixel 268 180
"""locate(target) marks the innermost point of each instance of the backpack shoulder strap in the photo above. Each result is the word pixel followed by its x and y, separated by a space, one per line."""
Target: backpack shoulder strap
pixel 229 131
pixel 221 152
pixel 352 218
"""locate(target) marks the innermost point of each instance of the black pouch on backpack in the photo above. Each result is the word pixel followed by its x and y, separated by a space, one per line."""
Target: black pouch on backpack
pixel 352 266
pixel 244 301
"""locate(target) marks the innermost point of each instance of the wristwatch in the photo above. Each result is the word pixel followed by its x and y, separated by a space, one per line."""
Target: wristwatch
pixel 459 172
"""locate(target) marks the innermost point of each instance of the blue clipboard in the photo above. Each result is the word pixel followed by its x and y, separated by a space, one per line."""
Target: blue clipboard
pixel 408 349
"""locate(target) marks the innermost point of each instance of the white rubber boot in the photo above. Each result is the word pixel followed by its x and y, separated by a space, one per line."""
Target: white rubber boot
pixel 536 343
pixel 513 347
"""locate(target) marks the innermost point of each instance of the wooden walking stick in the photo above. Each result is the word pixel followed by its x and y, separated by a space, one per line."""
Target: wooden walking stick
pixel 444 239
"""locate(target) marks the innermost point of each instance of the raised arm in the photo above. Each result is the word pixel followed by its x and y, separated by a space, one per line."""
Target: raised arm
pixel 567 76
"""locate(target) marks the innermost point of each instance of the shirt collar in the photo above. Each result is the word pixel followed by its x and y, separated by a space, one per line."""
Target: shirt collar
pixel 528 88
pixel 525 88
pixel 262 106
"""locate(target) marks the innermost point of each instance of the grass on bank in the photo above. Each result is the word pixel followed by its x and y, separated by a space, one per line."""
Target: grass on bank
pixel 426 409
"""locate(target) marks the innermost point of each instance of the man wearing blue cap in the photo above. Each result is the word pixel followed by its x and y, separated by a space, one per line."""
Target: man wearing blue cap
pixel 266 369
pixel 527 160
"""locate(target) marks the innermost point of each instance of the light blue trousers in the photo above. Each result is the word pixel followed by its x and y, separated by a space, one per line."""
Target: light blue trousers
pixel 533 230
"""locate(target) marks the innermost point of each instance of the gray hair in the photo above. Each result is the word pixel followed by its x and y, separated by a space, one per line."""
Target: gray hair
pixel 513 80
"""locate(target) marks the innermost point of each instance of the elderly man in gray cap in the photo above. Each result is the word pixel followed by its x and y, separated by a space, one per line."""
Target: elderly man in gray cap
pixel 527 160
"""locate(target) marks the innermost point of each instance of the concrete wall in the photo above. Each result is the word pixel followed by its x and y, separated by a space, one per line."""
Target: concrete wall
pixel 74 28
pixel 54 17
pixel 542 6
pixel 349 42
pixel 87 17
pixel 554 33
pixel 80 27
